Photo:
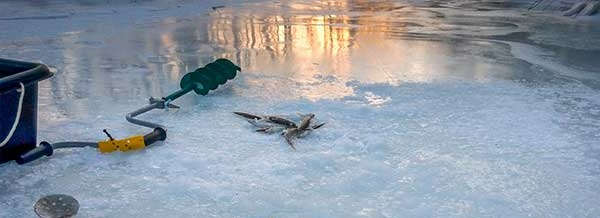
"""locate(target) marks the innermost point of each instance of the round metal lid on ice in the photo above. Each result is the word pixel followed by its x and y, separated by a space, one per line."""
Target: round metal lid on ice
pixel 55 206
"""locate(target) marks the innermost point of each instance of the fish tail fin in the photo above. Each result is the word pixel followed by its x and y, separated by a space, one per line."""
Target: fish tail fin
pixel 288 139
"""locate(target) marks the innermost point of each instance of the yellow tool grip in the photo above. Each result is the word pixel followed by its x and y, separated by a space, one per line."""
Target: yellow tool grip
pixel 126 144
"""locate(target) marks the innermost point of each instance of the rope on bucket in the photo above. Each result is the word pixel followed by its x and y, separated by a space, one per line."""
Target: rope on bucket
pixel 17 117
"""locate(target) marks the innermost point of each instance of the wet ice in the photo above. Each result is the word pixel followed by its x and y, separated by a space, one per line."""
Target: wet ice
pixel 431 110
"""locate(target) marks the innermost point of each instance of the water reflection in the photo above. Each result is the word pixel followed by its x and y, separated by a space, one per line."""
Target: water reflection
pixel 368 41
pixel 274 44
pixel 308 49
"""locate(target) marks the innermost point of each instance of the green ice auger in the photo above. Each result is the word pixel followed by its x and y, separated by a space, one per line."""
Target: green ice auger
pixel 201 81
pixel 206 78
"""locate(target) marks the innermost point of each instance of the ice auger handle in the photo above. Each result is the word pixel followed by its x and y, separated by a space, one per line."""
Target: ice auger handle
pixel 201 81
pixel 159 134
pixel 44 149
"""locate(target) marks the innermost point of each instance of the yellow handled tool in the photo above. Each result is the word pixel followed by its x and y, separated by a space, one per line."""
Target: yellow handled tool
pixel 126 144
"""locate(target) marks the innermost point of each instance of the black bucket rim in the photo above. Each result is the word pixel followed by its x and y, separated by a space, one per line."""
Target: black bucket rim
pixel 35 72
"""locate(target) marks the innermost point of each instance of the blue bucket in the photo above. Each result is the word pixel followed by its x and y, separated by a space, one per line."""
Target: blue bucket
pixel 13 74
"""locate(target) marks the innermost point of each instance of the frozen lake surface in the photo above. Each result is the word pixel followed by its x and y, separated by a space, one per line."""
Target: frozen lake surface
pixel 433 109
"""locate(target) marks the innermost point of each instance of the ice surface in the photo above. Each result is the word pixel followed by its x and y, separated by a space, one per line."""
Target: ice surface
pixel 432 109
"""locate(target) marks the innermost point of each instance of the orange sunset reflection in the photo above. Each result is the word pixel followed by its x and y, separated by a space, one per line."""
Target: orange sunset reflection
pixel 306 49
pixel 305 46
